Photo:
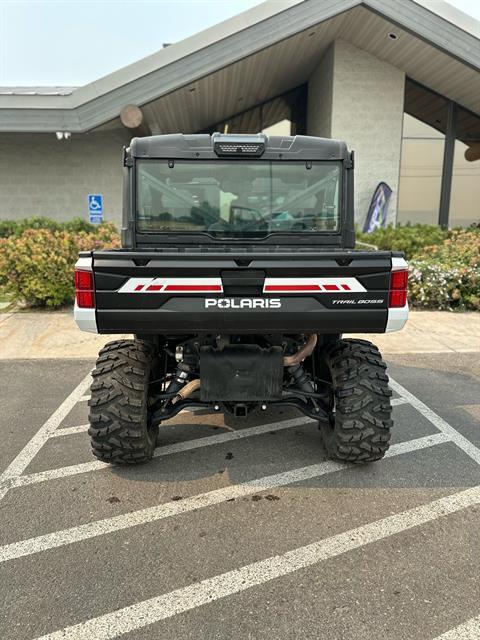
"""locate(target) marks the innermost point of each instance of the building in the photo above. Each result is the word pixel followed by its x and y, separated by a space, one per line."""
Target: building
pixel 398 81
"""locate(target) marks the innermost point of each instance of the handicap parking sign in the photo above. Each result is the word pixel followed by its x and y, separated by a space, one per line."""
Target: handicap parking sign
pixel 95 207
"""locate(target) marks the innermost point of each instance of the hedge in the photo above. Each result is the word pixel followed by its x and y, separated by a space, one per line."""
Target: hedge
pixel 17 227
pixel 444 264
pixel 410 239
pixel 447 276
pixel 37 258
pixel 37 265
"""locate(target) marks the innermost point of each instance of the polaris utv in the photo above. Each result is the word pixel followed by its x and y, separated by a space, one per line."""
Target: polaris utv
pixel 237 277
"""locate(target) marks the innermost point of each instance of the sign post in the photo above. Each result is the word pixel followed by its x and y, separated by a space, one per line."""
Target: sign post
pixel 95 208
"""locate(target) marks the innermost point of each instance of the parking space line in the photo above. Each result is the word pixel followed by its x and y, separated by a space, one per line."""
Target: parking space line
pixel 169 449
pixel 68 431
pixel 84 398
pixel 465 445
pixel 397 401
pixel 179 447
pixel 33 446
pixel 200 501
pixel 147 612
pixel 469 630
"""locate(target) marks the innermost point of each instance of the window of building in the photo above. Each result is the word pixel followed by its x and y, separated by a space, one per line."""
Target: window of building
pixel 420 172
pixel 465 195
pixel 424 127
pixel 423 164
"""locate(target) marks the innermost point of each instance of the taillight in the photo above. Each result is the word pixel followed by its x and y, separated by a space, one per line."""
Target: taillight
pixel 398 288
pixel 84 289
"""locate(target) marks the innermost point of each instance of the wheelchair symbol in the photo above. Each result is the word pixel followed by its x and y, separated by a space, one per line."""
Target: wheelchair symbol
pixel 95 203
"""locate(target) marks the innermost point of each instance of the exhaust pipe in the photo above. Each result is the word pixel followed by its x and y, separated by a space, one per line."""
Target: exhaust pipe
pixel 187 390
pixel 288 361
pixel 302 353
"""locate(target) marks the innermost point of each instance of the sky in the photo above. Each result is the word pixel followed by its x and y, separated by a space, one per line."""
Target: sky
pixel 73 42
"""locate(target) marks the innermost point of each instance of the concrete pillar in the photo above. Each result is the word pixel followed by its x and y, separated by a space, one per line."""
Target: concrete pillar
pixel 355 97
pixel 320 97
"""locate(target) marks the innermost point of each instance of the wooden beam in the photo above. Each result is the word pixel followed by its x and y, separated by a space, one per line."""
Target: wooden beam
pixel 472 152
pixel 133 119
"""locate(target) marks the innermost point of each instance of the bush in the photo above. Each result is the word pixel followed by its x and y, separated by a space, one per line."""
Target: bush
pixel 409 239
pixel 437 286
pixel 444 264
pixel 37 266
pixel 447 276
pixel 37 258
pixel 17 227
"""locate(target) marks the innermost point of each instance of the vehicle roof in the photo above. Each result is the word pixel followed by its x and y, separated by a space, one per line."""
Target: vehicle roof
pixel 200 146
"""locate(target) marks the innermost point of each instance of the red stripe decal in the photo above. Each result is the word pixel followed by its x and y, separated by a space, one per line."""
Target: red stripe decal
pixel 139 287
pixel 330 287
pixel 346 287
pixel 292 287
pixel 154 287
pixel 193 287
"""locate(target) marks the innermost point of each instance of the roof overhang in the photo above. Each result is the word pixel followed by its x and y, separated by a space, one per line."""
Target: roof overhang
pixel 259 54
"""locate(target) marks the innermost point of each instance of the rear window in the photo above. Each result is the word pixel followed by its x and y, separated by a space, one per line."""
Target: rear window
pixel 238 198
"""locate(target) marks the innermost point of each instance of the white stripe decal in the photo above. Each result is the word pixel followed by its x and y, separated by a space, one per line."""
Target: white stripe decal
pixel 172 285
pixel 214 285
pixel 141 614
pixel 312 285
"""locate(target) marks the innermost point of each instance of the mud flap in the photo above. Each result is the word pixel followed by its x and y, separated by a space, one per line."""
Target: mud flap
pixel 241 373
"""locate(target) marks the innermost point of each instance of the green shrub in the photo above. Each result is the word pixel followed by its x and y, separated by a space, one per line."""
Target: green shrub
pixel 444 264
pixel 409 239
pixel 37 266
pixel 37 258
pixel 438 286
pixel 447 276
pixel 17 227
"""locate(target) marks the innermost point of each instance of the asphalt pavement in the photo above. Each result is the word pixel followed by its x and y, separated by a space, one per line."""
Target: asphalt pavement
pixel 250 533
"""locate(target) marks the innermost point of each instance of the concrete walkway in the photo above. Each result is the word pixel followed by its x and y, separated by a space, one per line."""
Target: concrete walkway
pixel 55 335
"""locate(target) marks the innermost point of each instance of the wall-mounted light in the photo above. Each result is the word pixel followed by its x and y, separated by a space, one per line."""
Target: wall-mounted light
pixel 63 135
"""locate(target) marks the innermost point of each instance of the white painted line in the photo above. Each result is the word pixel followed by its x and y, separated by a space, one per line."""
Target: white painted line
pixel 200 501
pixel 465 445
pixel 142 614
pixel 469 630
pixel 84 398
pixel 177 447
pixel 30 450
pixel 68 431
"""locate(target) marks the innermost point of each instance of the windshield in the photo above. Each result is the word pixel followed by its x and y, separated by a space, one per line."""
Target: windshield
pixel 238 198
